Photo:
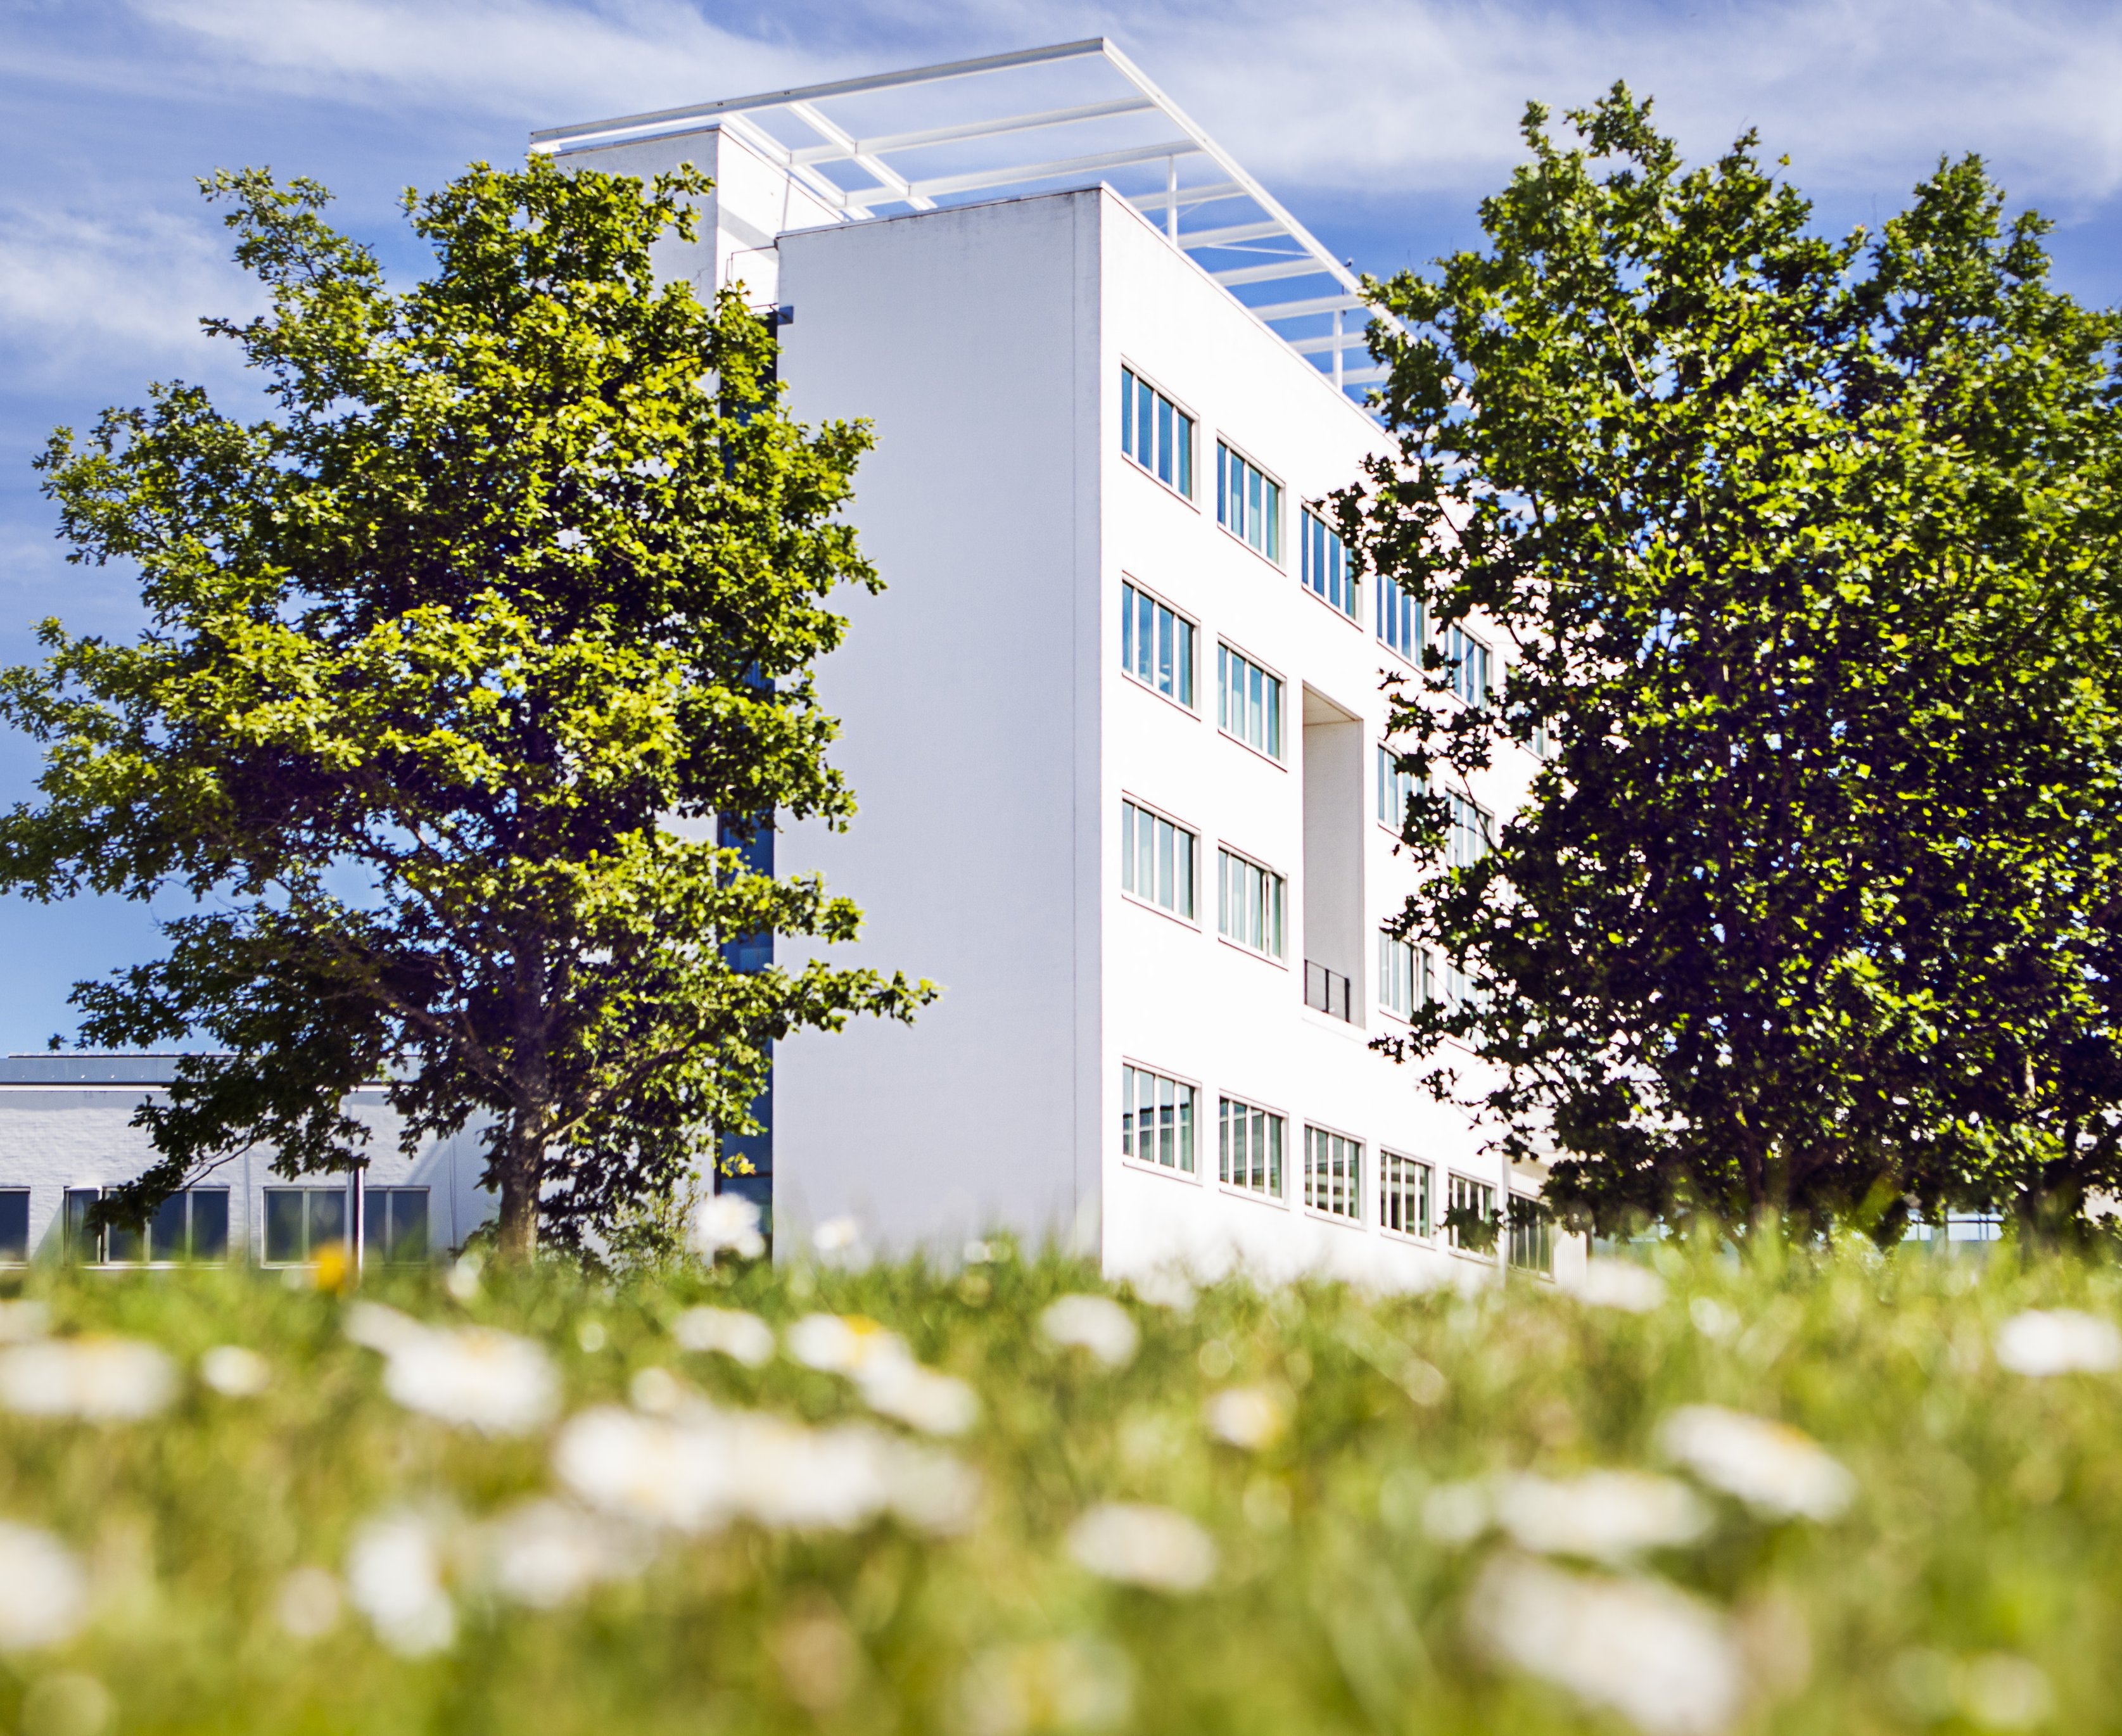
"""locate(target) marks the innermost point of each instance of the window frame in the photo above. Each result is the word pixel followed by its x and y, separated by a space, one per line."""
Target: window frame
pixel 308 1257
pixel 1191 464
pixel 1458 802
pixel 1172 1172
pixel 1224 849
pixel 1393 596
pixel 1418 975
pixel 1225 650
pixel 1450 1238
pixel 1228 449
pixel 9 1261
pixel 1426 1235
pixel 1191 919
pixel 1128 582
pixel 1352 614
pixel 149 1261
pixel 1381 762
pixel 1359 1219
pixel 1245 1190
pixel 1456 665
pixel 1544 1228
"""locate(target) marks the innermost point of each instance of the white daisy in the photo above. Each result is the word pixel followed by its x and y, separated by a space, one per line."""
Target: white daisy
pixel 96 1379
pixel 741 1337
pixel 544 1553
pixel 473 1376
pixel 727 1221
pixel 1776 1470
pixel 393 1576
pixel 1620 1284
pixel 44 1593
pixel 1095 1323
pixel 234 1372
pixel 1143 1545
pixel 2058 1341
pixel 1602 1515
pixel 1254 1418
pixel 1071 1684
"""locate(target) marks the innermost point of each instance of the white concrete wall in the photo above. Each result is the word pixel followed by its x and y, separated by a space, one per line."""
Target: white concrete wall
pixel 54 1137
pixel 968 696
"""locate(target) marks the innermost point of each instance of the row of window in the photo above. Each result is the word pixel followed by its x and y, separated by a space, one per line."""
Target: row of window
pixel 1156 866
pixel 1408 977
pixel 1159 437
pixel 191 1226
pixel 1157 1121
pixel 1469 828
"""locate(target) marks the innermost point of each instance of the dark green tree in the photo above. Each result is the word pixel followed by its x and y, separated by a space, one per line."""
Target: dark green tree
pixel 528 564
pixel 1801 557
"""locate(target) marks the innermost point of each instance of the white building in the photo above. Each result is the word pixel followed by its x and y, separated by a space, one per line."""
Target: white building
pixel 1115 727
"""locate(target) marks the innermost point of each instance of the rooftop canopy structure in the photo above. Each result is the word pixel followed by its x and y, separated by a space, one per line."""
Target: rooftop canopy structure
pixel 1073 115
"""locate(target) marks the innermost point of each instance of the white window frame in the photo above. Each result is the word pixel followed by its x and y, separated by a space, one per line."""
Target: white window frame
pixel 104 1262
pixel 1277 1197
pixel 1458 644
pixel 1455 1179
pixel 1354 613
pixel 8 1263
pixel 1157 393
pixel 1228 449
pixel 1359 1218
pixel 1191 833
pixel 1192 676
pixel 1393 953
pixel 1387 773
pixel 1391 598
pixel 1545 1228
pixel 1278 756
pixel 1225 854
pixel 1427 1195
pixel 1465 819
pixel 1132 1070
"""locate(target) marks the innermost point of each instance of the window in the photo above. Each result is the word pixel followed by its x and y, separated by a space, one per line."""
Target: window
pixel 1249 1148
pixel 394 1224
pixel 1399 976
pixel 1249 905
pixel 1532 1235
pixel 1404 1194
pixel 1156 646
pixel 1325 566
pixel 1248 503
pixel 301 1222
pixel 1466 831
pixel 1156 433
pixel 1333 1175
pixel 1249 701
pixel 1396 789
pixel 1157 1120
pixel 1401 620
pixel 1468 659
pixel 1477 1201
pixel 1157 860
pixel 189 1225
pixel 14 1226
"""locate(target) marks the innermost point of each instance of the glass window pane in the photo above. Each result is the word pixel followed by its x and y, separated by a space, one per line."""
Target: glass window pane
pixel 123 1244
pixel 15 1224
pixel 408 1225
pixel 209 1224
pixel 1145 415
pixel 76 1240
pixel 1274 520
pixel 1127 411
pixel 1164 453
pixel 1186 874
pixel 1145 617
pixel 1127 627
pixel 327 1217
pixel 1166 893
pixel 1186 663
pixel 1164 651
pixel 165 1235
pixel 1186 1128
pixel 1274 718
pixel 1186 456
pixel 283 1225
pixel 1127 846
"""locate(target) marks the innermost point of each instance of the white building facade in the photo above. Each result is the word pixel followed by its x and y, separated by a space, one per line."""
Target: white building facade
pixel 1117 726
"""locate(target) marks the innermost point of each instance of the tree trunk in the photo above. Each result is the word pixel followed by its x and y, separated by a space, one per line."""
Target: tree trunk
pixel 522 1174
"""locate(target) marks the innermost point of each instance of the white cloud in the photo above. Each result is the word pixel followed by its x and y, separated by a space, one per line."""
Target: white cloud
pixel 111 288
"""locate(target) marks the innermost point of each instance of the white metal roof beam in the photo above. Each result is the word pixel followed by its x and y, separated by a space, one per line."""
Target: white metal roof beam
pixel 1235 233
pixel 1049 170
pixel 1188 196
pixel 889 180
pixel 1316 304
pixel 1305 266
pixel 976 130
pixel 1325 345
pixel 548 137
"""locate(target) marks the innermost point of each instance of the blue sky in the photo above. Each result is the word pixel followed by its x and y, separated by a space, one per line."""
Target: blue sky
pixel 1379 122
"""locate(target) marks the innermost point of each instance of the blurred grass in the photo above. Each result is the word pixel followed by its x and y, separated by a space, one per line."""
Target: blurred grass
pixel 1988 1522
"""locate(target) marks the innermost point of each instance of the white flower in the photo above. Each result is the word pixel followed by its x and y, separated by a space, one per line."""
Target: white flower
pixel 43 1594
pixel 393 1576
pixel 1075 1684
pixel 471 1375
pixel 646 1469
pixel 1712 1319
pixel 1166 1287
pixel 836 1235
pixel 1621 1283
pixel 22 1321
pixel 234 1372
pixel 1097 1323
pixel 1143 1546
pixel 1454 1514
pixel 978 1253
pixel 1775 1469
pixel 743 1337
pixel 100 1380
pixel 1603 1515
pixel 2058 1341
pixel 727 1221
pixel 1253 1418
pixel 844 1344
pixel 2000 1691
pixel 308 1604
pixel 1663 1660
pixel 545 1552
pixel 920 1397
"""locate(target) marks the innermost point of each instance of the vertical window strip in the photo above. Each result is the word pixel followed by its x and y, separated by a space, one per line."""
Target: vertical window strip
pixel 1397 974
pixel 1156 1119
pixel 1400 620
pixel 1249 904
pixel 1468 1195
pixel 1156 433
pixel 1157 860
pixel 1249 1148
pixel 1396 789
pixel 1333 1173
pixel 1468 658
pixel 1467 831
pixel 1324 567
pixel 1249 701
pixel 1156 645
pixel 1404 1194
pixel 1248 502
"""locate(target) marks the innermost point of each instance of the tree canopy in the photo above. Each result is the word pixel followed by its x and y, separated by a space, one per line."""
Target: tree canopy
pixel 1801 555
pixel 528 564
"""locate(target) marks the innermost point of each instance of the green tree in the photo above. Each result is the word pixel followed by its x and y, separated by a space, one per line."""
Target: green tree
pixel 1801 554
pixel 528 570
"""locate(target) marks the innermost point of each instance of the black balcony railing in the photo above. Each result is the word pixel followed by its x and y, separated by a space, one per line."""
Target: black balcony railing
pixel 1327 989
